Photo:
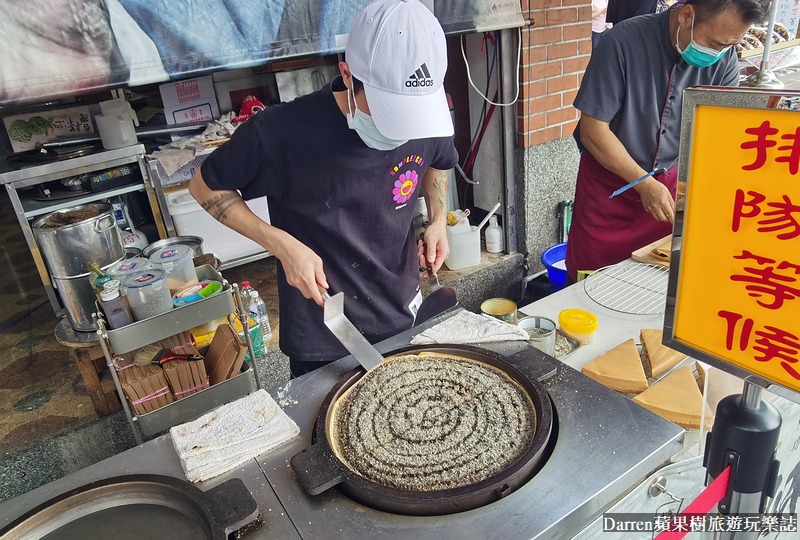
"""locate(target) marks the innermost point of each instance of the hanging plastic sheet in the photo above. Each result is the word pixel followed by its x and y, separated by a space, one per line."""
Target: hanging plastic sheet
pixel 69 47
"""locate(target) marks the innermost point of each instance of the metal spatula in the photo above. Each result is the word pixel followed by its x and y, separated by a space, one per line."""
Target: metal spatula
pixel 440 299
pixel 347 334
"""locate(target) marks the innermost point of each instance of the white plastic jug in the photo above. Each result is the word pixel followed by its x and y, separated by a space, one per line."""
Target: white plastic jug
pixel 119 106
pixel 116 130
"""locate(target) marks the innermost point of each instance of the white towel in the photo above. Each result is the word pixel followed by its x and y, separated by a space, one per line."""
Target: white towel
pixel 230 435
pixel 466 327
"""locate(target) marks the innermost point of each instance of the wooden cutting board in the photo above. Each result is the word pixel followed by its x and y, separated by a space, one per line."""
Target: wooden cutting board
pixel 646 255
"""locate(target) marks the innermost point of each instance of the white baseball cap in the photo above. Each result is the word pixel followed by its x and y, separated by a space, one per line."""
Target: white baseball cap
pixel 397 49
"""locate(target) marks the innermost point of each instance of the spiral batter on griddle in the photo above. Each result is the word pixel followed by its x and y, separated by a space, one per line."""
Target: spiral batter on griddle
pixel 433 422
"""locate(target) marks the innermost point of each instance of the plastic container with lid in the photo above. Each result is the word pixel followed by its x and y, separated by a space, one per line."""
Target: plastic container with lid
pixel 148 293
pixel 177 262
pixel 100 282
pixel 115 308
pixel 128 267
pixel 112 285
pixel 578 324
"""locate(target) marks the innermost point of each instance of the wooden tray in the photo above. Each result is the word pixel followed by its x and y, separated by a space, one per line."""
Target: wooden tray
pixel 644 255
pixel 775 47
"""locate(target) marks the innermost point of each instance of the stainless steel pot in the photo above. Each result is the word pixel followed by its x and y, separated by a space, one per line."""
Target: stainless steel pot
pixel 194 242
pixel 70 248
pixel 78 297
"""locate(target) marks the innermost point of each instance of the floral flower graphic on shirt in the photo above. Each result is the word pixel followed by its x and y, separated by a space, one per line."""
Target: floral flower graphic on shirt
pixel 404 187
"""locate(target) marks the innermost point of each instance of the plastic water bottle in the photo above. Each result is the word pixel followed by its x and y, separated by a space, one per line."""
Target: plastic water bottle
pixel 258 310
pixel 246 290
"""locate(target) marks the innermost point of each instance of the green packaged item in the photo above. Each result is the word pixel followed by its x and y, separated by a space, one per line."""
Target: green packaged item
pixel 255 336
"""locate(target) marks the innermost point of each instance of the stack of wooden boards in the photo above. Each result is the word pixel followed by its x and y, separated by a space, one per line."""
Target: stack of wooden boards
pixel 676 397
pixel 152 380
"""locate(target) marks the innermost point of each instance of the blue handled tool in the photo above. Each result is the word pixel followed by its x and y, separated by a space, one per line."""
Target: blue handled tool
pixel 629 186
pixel 642 179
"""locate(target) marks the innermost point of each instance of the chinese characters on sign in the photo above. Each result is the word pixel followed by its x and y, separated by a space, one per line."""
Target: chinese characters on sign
pixel 201 113
pixel 739 290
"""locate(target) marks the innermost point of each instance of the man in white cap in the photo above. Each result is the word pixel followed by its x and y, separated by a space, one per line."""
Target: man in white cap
pixel 342 169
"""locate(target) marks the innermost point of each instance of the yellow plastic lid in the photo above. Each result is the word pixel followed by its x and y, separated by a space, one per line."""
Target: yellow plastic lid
pixel 577 321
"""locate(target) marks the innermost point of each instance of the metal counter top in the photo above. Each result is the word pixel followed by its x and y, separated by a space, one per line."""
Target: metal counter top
pixel 613 327
pixel 159 457
pixel 606 444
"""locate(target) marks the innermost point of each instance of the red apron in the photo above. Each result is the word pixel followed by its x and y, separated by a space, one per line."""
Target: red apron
pixel 606 231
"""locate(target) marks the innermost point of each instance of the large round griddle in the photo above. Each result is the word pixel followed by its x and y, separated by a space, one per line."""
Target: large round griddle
pixel 319 468
pixel 137 507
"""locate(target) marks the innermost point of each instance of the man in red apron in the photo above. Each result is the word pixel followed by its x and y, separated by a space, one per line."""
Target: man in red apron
pixel 629 133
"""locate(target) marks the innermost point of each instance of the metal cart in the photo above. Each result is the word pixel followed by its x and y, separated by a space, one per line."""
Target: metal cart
pixel 141 333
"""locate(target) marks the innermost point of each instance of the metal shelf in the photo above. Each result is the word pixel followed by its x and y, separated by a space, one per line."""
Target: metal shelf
pixel 192 406
pixel 40 173
pixel 47 207
pixel 177 320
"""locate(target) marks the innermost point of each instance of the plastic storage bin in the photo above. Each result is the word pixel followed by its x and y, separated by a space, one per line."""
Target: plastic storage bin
pixel 128 267
pixel 148 293
pixel 177 262
pixel 465 247
pixel 554 259
pixel 189 218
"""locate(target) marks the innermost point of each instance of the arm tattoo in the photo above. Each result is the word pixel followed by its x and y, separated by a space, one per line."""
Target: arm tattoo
pixel 440 183
pixel 219 206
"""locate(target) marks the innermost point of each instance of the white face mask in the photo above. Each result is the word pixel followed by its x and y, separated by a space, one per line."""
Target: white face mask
pixel 364 125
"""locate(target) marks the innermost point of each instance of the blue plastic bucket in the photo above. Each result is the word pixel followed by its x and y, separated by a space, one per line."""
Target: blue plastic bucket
pixel 551 256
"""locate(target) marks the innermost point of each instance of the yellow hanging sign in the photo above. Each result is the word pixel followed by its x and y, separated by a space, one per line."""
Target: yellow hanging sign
pixel 739 286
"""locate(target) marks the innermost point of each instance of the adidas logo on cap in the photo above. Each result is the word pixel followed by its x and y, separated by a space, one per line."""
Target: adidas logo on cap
pixel 421 77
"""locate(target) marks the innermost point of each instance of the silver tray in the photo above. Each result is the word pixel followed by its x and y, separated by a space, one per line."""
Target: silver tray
pixel 572 341
pixel 177 320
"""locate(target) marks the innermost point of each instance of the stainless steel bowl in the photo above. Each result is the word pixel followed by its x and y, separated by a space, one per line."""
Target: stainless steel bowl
pixel 131 252
pixel 194 242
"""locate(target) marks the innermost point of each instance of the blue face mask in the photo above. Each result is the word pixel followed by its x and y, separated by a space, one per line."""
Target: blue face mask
pixel 697 55
pixel 364 125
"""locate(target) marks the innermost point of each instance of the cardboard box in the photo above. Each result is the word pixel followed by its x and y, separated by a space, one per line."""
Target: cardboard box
pixel 25 130
pixel 191 100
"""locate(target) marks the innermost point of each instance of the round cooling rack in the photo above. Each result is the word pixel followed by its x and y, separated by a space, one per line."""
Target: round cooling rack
pixel 629 287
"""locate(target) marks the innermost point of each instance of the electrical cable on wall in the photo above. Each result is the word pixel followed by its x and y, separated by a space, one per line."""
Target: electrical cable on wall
pixel 472 84
pixel 489 71
pixel 480 126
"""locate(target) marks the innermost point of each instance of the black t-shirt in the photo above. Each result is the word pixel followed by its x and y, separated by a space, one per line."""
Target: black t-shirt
pixel 351 204
pixel 620 10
